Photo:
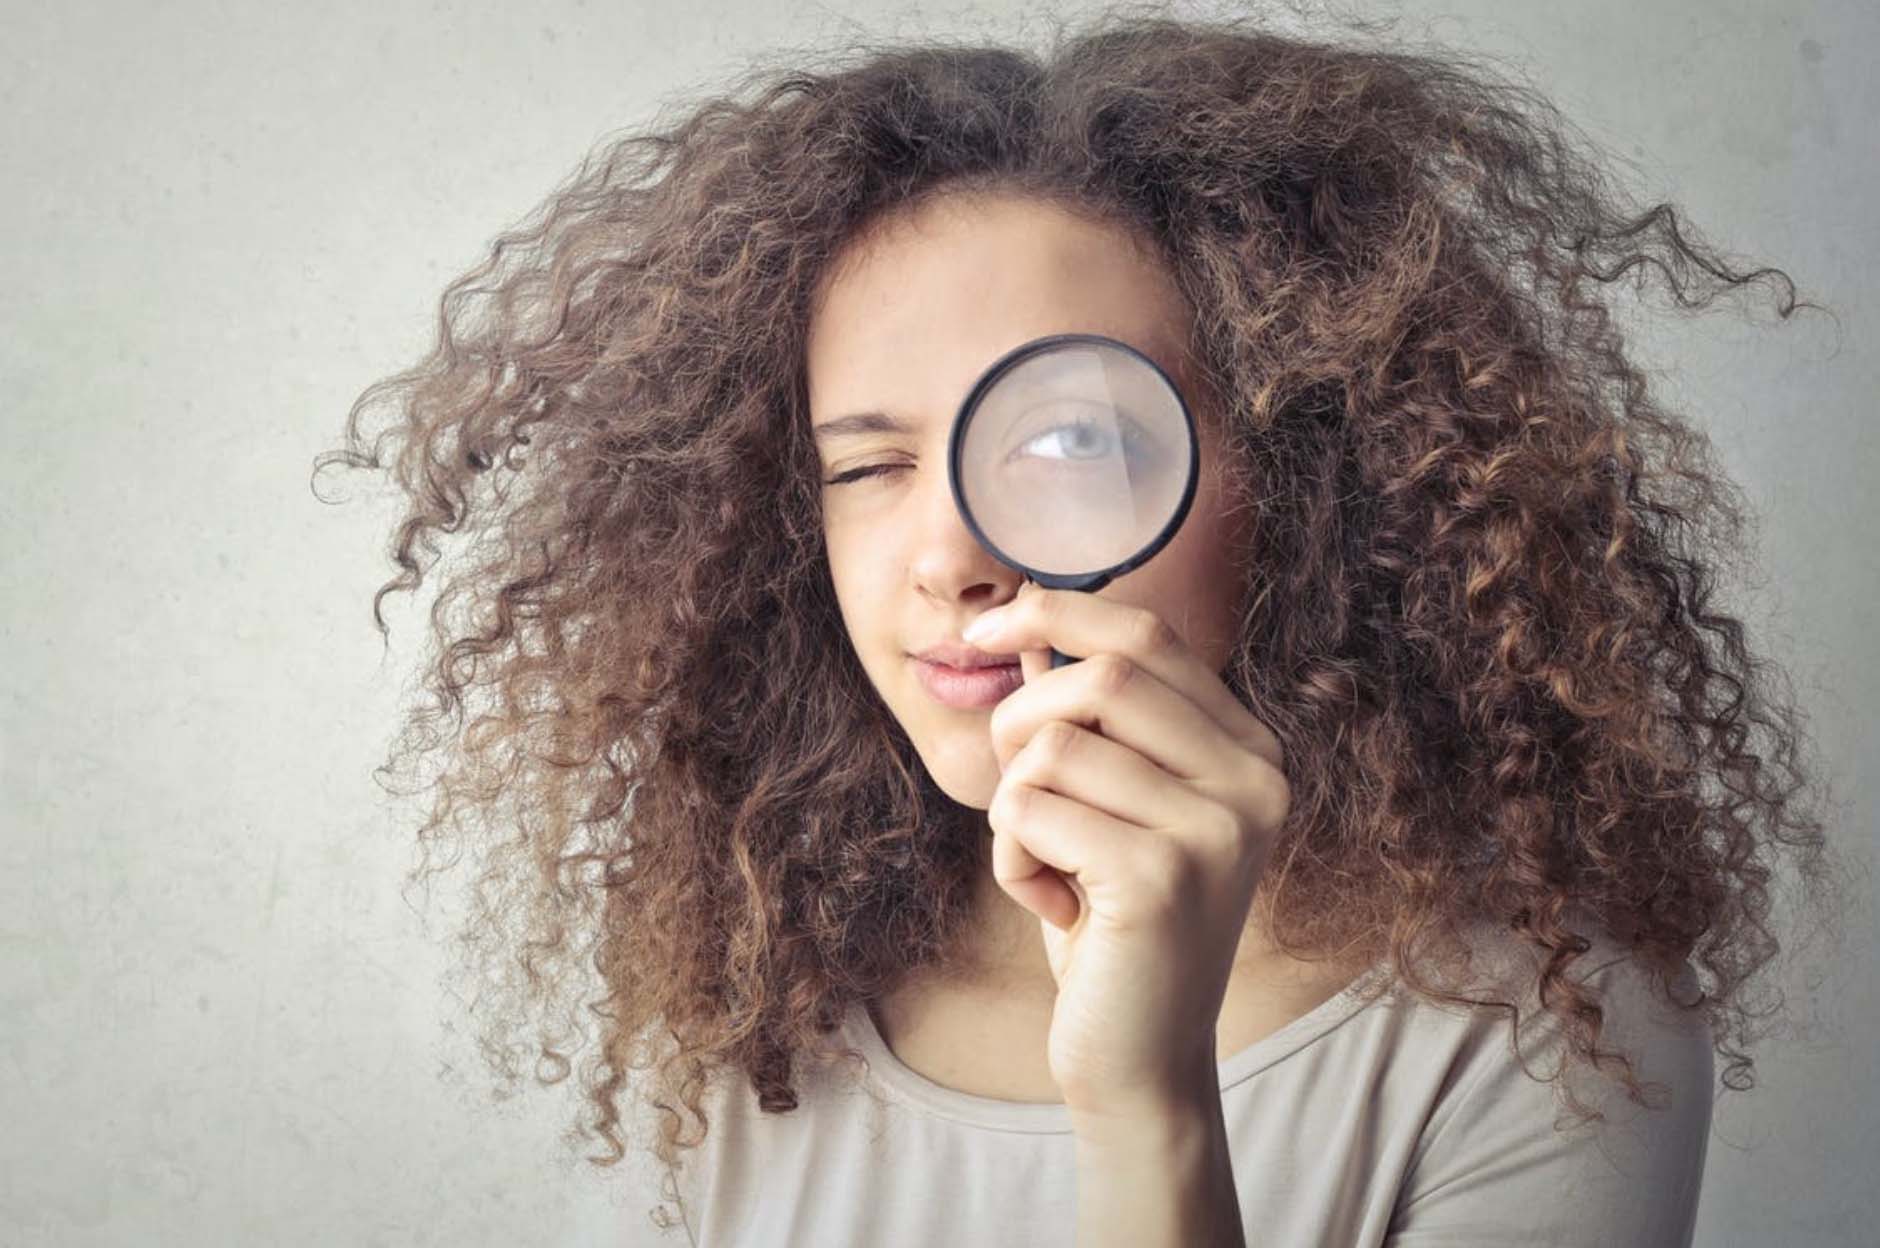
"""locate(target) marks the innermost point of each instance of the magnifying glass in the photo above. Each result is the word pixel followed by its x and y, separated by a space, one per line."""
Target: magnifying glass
pixel 1073 459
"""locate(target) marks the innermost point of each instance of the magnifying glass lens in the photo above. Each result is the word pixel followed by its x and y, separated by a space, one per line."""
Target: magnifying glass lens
pixel 1076 458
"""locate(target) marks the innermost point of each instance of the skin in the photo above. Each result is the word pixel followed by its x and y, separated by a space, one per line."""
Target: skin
pixel 904 325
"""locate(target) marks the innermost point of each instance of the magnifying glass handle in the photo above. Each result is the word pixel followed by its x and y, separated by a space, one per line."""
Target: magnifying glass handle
pixel 1058 658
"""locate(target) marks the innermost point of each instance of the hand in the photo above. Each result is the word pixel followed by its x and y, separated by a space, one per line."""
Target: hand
pixel 1137 804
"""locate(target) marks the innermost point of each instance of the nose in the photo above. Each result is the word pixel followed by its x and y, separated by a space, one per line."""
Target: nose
pixel 947 562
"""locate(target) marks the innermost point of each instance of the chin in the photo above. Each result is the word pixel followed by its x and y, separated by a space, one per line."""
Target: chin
pixel 977 796
pixel 967 773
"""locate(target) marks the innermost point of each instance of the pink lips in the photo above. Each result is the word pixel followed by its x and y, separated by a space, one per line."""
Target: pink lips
pixel 970 690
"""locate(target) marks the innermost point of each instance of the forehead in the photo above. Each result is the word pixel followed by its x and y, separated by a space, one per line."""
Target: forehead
pixel 918 306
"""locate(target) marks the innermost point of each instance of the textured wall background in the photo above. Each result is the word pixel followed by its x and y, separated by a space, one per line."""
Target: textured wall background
pixel 221 1022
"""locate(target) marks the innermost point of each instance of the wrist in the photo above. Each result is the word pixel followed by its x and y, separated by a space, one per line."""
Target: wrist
pixel 1147 1114
pixel 1172 1121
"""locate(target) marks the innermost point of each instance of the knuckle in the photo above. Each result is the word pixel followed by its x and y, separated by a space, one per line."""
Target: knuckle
pixel 1020 799
pixel 1279 799
pixel 1003 813
pixel 995 724
pixel 1113 672
pixel 1224 833
pixel 1055 740
pixel 1165 872
pixel 1152 634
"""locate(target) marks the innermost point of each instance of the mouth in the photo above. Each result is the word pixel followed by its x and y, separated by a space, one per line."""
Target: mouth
pixel 969 689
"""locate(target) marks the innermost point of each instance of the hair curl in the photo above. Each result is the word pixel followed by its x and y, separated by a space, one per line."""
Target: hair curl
pixel 1480 616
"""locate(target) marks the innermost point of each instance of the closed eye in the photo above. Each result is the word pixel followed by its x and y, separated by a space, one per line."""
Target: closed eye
pixel 855 474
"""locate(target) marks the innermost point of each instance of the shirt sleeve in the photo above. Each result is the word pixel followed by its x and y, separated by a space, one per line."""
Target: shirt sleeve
pixel 1492 1169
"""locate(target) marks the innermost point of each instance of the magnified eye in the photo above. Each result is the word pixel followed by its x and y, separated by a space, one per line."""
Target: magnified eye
pixel 1091 434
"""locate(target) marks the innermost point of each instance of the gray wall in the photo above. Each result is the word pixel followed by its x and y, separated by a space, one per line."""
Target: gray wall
pixel 220 1020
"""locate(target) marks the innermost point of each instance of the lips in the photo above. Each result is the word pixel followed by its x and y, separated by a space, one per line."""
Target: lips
pixel 969 689
pixel 964 658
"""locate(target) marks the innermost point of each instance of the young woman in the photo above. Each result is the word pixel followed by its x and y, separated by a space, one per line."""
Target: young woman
pixel 1379 822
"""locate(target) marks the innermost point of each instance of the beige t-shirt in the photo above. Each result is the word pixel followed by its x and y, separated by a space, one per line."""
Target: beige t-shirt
pixel 1388 1122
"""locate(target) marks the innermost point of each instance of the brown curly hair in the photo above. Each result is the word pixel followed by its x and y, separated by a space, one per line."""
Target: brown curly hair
pixel 1480 620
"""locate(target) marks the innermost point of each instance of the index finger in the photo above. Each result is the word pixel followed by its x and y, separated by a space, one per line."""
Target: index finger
pixel 1079 623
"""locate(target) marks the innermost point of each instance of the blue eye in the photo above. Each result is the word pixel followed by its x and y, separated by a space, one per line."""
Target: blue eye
pixel 1136 444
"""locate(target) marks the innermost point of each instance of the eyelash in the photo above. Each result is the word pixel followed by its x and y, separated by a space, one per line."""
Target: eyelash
pixel 856 474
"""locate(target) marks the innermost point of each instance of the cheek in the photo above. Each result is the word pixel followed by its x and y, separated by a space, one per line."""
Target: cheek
pixel 1192 582
pixel 858 583
pixel 840 549
pixel 1197 549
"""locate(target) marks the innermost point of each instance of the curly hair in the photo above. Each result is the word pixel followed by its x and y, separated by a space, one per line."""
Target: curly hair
pixel 1480 619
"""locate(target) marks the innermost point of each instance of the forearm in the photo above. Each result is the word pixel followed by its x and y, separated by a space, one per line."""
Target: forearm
pixel 1157 1178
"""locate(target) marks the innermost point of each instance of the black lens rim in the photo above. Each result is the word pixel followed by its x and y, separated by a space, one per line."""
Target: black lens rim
pixel 1089 581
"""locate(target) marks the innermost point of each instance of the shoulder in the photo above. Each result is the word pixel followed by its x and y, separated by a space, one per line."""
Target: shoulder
pixel 1644 1015
pixel 1502 1151
pixel 742 1159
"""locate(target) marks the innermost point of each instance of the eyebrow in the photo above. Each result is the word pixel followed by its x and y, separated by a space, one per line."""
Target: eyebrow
pixel 860 423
